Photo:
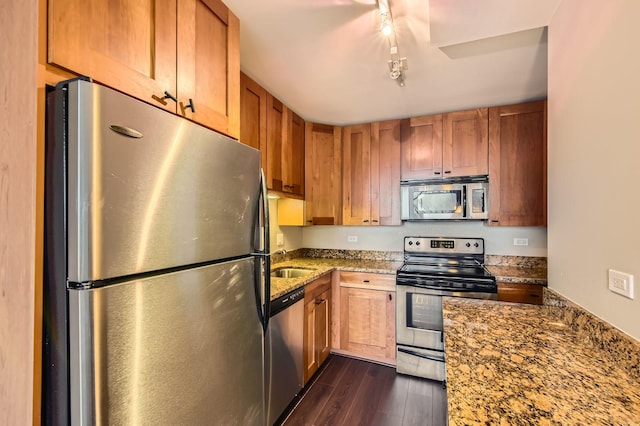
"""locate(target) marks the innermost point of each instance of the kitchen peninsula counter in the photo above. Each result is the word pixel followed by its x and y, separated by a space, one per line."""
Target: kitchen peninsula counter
pixel 321 266
pixel 513 363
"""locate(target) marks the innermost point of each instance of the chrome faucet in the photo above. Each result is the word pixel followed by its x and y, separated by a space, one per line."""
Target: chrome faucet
pixel 281 251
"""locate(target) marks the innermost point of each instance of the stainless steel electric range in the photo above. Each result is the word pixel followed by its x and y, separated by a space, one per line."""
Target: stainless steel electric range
pixel 433 268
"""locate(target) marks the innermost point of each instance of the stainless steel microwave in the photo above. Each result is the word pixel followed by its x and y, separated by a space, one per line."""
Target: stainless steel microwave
pixel 456 199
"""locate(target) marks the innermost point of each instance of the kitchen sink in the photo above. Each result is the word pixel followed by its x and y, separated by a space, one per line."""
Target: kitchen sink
pixel 291 272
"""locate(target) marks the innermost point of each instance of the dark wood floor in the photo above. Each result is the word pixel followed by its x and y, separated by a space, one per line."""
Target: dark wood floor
pixel 353 392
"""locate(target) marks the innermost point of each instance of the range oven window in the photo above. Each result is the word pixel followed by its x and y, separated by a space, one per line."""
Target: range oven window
pixel 424 311
pixel 439 201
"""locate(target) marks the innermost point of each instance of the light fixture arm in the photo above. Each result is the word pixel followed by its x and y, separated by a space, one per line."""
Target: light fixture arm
pixel 397 65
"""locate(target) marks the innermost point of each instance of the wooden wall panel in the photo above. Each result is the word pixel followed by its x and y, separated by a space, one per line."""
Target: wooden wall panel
pixel 18 185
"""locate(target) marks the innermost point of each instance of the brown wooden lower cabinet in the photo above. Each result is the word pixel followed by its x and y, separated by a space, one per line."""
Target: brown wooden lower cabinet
pixel 367 322
pixel 317 325
pixel 520 293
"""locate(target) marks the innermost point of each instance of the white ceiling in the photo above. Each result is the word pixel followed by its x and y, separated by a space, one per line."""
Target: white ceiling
pixel 327 60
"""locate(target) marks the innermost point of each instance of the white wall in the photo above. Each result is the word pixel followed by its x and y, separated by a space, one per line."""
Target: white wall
pixel 498 240
pixel 594 154
pixel 292 234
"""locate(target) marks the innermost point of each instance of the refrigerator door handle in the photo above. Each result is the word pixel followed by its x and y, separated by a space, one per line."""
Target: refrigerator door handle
pixel 263 257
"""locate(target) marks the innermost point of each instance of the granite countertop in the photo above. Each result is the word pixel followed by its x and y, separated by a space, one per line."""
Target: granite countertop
pixel 518 275
pixel 517 269
pixel 321 266
pixel 513 363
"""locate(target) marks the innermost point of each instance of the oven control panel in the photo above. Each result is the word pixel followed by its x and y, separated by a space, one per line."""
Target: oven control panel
pixel 444 245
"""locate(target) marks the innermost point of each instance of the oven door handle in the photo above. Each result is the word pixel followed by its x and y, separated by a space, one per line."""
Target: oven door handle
pixel 419 355
pixel 412 283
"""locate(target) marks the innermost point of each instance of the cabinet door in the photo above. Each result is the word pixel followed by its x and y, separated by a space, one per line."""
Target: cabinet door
pixel 293 154
pixel 356 175
pixel 323 326
pixel 323 178
pixel 385 175
pixel 209 64
pixel 518 164
pixel 367 322
pixel 128 45
pixel 309 353
pixel 275 121
pixel 465 148
pixel 520 293
pixel 422 147
pixel 253 116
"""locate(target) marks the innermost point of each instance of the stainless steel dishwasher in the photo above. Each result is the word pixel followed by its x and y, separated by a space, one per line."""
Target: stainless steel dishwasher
pixel 283 353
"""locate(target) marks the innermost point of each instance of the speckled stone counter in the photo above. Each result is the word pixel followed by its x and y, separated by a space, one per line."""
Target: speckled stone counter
pixel 518 275
pixel 321 266
pixel 518 364
pixel 517 269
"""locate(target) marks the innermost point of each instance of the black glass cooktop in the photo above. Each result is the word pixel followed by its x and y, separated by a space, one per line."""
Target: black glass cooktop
pixel 450 269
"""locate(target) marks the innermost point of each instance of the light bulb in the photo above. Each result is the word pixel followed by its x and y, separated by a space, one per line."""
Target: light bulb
pixel 387 29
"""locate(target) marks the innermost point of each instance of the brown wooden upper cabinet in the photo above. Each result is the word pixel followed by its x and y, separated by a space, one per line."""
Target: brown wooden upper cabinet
pixel 253 116
pixel 275 134
pixel 293 154
pixel 518 164
pixel 285 148
pixel 371 174
pixel 445 145
pixel 323 177
pixel 181 56
pixel 278 132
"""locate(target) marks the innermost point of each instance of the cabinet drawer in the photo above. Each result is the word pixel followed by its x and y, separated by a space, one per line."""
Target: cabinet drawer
pixel 317 287
pixel 368 280
pixel 520 293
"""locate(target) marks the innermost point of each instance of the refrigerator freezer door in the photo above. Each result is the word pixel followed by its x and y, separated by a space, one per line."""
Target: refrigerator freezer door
pixel 149 190
pixel 180 348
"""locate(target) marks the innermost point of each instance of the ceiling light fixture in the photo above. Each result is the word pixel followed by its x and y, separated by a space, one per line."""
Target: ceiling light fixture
pixel 397 65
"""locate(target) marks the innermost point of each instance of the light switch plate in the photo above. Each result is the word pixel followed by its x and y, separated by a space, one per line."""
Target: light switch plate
pixel 279 240
pixel 352 238
pixel 621 283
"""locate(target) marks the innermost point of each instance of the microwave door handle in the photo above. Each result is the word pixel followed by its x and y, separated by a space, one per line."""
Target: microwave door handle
pixel 464 200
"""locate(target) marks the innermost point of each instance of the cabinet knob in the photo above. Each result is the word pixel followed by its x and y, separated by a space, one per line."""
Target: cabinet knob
pixel 436 173
pixel 374 221
pixel 390 298
pixel 447 172
pixel 366 220
pixel 168 95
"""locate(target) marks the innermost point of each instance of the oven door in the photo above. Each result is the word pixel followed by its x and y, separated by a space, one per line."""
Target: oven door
pixel 419 333
pixel 419 318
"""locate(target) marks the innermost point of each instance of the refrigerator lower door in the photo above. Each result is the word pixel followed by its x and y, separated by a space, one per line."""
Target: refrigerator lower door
pixel 179 348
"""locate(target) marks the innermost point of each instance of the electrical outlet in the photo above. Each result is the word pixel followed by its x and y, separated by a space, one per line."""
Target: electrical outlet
pixel 352 239
pixel 621 283
pixel 279 240
pixel 520 241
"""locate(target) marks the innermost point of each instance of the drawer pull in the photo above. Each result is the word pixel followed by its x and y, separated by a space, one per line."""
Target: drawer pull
pixel 365 281
pixel 320 301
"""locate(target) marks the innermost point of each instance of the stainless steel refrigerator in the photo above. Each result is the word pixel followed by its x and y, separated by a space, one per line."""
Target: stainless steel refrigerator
pixel 156 247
